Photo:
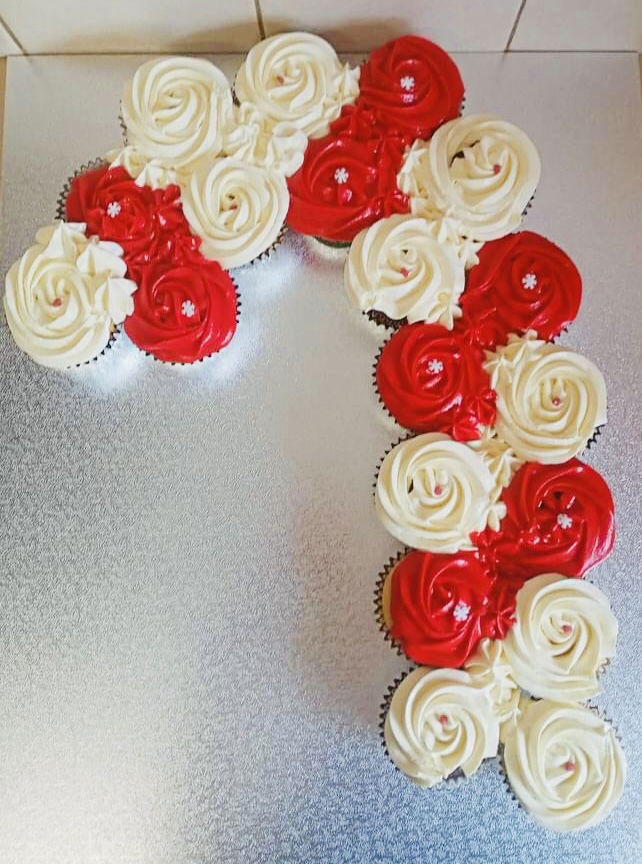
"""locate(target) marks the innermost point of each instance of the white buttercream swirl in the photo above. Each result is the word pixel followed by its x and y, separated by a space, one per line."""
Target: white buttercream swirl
pixel 256 139
pixel 565 764
pixel 549 399
pixel 298 78
pixel 236 208
pixel 502 463
pixel 400 267
pixel 433 492
pixel 477 170
pixel 65 296
pixel 563 635
pixel 146 172
pixel 490 669
pixel 177 109
pixel 439 723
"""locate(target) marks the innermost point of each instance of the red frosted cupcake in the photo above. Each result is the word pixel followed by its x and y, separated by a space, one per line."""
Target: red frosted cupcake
pixel 183 310
pixel 432 380
pixel 436 607
pixel 147 223
pixel 344 185
pixel 411 85
pixel 522 282
pixel 559 519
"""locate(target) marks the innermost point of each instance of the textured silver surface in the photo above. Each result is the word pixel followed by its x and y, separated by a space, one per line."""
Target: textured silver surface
pixel 190 669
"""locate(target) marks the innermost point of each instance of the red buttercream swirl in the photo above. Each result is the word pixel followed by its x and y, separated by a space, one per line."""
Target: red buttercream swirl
pixel 147 223
pixel 344 185
pixel 522 282
pixel 432 380
pixel 559 519
pixel 412 85
pixel 183 312
pixel 438 605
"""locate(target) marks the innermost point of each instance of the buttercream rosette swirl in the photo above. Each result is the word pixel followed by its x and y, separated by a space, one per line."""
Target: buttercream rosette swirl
pixel 564 764
pixel 563 635
pixel 550 400
pixel 297 78
pixel 478 170
pixel 412 85
pixel 65 296
pixel 439 724
pixel 145 171
pixel 559 518
pixel 177 109
pixel 235 208
pixel 490 669
pixel 522 282
pixel 432 380
pixel 398 266
pixel 432 493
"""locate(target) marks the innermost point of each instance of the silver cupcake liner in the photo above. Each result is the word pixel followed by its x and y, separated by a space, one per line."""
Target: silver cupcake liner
pixel 61 201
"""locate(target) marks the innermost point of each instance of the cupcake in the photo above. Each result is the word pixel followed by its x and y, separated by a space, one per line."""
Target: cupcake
pixel 550 400
pixel 439 725
pixel 522 282
pixel 490 669
pixel 564 634
pixel 433 493
pixel 184 310
pixel 433 606
pixel 177 110
pixel 411 85
pixel 400 269
pixel 432 380
pixel 559 518
pixel 236 209
pixel 66 296
pixel 344 185
pixel 297 78
pixel 565 764
pixel 478 170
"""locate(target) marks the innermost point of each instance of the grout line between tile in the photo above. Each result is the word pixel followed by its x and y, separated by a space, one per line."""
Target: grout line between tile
pixel 259 18
pixel 12 35
pixel 511 35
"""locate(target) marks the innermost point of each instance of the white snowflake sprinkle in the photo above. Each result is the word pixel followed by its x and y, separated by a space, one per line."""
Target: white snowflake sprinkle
pixel 529 281
pixel 113 209
pixel 461 611
pixel 188 308
pixel 435 366
pixel 407 82
pixel 341 175
pixel 564 520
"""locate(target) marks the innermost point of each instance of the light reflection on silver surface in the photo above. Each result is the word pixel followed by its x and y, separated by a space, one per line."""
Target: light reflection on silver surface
pixel 191 669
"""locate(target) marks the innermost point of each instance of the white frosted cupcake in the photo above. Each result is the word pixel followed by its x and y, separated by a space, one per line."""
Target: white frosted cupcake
pixel 439 725
pixel 477 170
pixel 564 634
pixel 564 764
pixel 65 297
pixel 297 78
pixel 401 268
pixel 177 110
pixel 433 492
pixel 238 210
pixel 550 400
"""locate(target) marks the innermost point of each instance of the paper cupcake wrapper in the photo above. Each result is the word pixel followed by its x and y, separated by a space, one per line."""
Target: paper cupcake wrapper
pixel 593 439
pixel 406 437
pixel 449 782
pixel 332 244
pixel 375 386
pixel 123 127
pixel 114 336
pixel 382 320
pixel 206 356
pixel 267 253
pixel 61 201
pixel 378 601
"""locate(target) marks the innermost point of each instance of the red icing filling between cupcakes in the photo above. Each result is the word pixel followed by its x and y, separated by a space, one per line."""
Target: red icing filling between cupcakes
pixel 432 380
pixel 411 85
pixel 522 282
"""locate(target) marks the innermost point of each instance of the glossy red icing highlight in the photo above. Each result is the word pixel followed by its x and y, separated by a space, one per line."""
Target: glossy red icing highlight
pixel 438 605
pixel 344 185
pixel 522 282
pixel 432 380
pixel 411 85
pixel 148 223
pixel 559 519
pixel 183 312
